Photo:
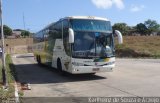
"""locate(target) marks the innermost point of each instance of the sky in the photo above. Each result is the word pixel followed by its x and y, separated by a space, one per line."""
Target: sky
pixel 39 13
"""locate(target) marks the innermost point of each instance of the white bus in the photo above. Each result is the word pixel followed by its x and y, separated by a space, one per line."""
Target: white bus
pixel 77 44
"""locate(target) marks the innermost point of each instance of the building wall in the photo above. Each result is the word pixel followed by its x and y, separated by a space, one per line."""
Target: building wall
pixel 15 45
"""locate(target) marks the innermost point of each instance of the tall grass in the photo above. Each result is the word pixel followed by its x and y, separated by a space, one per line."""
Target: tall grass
pixel 139 46
pixel 4 94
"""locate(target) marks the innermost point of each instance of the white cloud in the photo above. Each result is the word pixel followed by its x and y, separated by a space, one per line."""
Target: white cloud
pixel 119 4
pixel 106 4
pixel 135 8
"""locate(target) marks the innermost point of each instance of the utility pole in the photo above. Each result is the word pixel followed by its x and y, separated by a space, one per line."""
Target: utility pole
pixel 3 50
pixel 24 23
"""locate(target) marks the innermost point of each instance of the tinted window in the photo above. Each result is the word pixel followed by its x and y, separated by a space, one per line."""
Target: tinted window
pixel 55 31
pixel 91 25
pixel 38 37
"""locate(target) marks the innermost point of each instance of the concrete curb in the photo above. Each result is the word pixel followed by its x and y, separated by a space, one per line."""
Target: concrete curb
pixel 16 93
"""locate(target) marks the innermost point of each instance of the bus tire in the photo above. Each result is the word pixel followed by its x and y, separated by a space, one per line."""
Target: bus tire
pixel 59 67
pixel 39 60
pixel 92 73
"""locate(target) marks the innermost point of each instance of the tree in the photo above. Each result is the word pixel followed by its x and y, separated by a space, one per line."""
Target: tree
pixel 141 28
pixel 152 26
pixel 7 31
pixel 122 27
pixel 25 33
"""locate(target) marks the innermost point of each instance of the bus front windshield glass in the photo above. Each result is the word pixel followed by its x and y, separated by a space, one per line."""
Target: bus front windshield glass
pixel 91 25
pixel 92 39
pixel 90 44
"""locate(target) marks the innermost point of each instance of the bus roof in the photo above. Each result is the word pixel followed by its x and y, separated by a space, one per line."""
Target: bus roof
pixel 79 17
pixel 86 17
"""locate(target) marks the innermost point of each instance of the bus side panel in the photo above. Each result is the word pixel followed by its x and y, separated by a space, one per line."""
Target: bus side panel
pixel 38 50
pixel 57 52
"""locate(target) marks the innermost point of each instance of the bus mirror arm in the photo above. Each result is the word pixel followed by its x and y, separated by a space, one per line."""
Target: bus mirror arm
pixel 120 38
pixel 71 35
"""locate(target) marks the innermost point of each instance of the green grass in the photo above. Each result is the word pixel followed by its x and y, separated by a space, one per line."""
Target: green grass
pixel 139 46
pixel 10 72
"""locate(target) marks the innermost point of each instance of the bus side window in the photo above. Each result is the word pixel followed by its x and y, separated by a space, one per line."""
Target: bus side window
pixel 57 30
pixel 38 37
pixel 66 37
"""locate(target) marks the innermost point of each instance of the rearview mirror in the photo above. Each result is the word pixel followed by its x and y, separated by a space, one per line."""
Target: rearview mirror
pixel 71 35
pixel 120 38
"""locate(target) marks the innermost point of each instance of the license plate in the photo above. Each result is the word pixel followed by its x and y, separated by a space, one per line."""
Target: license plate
pixel 96 69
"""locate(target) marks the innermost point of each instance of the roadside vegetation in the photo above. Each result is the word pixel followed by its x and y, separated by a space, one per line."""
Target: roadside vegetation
pixel 139 47
pixel 140 41
pixel 10 72
pixel 148 28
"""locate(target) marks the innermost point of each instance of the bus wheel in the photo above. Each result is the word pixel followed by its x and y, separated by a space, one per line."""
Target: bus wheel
pixel 39 60
pixel 59 67
pixel 92 73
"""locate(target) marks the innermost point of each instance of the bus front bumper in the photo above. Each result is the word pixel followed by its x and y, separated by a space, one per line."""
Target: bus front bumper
pixel 92 69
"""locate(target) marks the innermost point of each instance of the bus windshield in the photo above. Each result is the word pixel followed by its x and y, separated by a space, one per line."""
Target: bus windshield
pixel 91 25
pixel 93 44
pixel 93 38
